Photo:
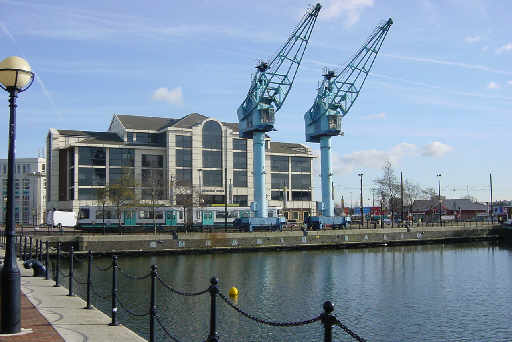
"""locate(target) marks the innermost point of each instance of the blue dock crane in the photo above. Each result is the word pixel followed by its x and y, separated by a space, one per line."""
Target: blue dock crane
pixel 269 88
pixel 336 95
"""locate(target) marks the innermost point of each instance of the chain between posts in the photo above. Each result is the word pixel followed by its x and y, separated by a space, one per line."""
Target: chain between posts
pixel 266 322
pixel 348 331
pixel 181 293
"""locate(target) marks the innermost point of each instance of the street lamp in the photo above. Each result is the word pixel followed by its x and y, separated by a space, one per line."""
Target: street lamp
pixel 15 77
pixel 439 182
pixel 361 198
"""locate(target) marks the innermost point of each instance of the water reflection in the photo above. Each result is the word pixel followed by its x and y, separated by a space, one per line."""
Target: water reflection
pixel 419 293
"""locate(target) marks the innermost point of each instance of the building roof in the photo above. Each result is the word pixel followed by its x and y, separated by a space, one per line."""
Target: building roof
pixel 92 137
pixel 449 204
pixel 151 123
pixel 287 148
pixel 188 121
pixel 145 123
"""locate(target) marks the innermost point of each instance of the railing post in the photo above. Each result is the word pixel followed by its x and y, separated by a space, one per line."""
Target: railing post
pixel 213 319
pixel 89 281
pixel 47 263
pixel 30 249
pixel 328 320
pixel 154 270
pixel 25 249
pixel 71 271
pixel 57 267
pixel 114 291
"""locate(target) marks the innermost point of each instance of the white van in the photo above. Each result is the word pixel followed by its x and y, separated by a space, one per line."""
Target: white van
pixel 56 218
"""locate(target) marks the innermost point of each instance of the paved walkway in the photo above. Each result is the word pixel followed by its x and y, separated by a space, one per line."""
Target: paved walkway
pixel 54 316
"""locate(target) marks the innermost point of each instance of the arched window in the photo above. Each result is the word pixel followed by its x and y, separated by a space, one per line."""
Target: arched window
pixel 212 135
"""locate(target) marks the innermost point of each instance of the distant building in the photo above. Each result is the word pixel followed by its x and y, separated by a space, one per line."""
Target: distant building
pixel 195 150
pixel 29 188
pixel 459 209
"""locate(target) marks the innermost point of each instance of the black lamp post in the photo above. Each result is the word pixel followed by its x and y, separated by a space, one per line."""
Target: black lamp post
pixel 439 182
pixel 15 77
pixel 361 198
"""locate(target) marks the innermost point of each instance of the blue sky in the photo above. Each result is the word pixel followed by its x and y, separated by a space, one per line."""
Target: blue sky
pixel 438 99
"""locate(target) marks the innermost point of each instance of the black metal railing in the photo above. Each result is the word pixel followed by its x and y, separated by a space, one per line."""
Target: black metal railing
pixel 327 319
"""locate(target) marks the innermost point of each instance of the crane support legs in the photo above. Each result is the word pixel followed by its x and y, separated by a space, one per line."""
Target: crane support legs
pixel 258 141
pixel 328 203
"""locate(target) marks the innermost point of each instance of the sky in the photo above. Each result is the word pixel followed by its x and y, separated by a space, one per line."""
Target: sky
pixel 438 99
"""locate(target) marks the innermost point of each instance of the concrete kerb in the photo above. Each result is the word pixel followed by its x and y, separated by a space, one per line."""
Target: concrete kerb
pixel 67 314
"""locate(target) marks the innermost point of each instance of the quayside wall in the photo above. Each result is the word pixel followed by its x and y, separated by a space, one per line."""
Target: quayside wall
pixel 233 242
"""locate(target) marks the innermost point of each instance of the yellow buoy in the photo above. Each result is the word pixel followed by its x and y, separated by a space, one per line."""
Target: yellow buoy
pixel 233 292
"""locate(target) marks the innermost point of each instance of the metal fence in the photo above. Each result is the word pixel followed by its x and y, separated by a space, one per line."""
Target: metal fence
pixel 29 248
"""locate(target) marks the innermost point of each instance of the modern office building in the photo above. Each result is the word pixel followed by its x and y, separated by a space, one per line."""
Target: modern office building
pixel 164 154
pixel 30 190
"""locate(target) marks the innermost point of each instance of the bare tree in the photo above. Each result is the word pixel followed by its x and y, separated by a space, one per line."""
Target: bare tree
pixel 102 199
pixel 187 197
pixel 122 193
pixel 154 194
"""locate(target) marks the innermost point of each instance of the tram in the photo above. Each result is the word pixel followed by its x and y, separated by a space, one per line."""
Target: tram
pixel 94 217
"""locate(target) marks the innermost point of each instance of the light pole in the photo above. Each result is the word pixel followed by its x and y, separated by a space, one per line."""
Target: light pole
pixel 15 77
pixel 439 183
pixel 361 198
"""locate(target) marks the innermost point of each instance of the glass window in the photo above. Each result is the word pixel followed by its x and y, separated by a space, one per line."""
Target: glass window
pixel 183 158
pixel 153 194
pixel 240 179
pixel 212 177
pixel 91 176
pixel 83 213
pixel 240 160
pixel 129 137
pixel 71 177
pixel 279 180
pixel 105 214
pixel 115 174
pixel 184 176
pixel 301 195
pixel 301 181
pixel 157 139
pixel 213 199
pixel 183 199
pixel 151 160
pixel 152 178
pixel 148 214
pixel 122 157
pixel 301 164
pixel 277 195
pixel 279 163
pixel 212 159
pixel 212 135
pixel 94 156
pixel 86 194
pixel 241 200
pixel 239 145
pixel 71 158
pixel 184 141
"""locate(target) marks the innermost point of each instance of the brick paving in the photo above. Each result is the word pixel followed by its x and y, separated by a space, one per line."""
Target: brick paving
pixel 31 318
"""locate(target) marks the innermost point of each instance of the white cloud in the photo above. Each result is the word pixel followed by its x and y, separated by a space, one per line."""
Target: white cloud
pixel 435 149
pixel 173 96
pixel 509 82
pixel 504 48
pixel 472 39
pixel 378 116
pixel 374 159
pixel 350 9
pixel 493 85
